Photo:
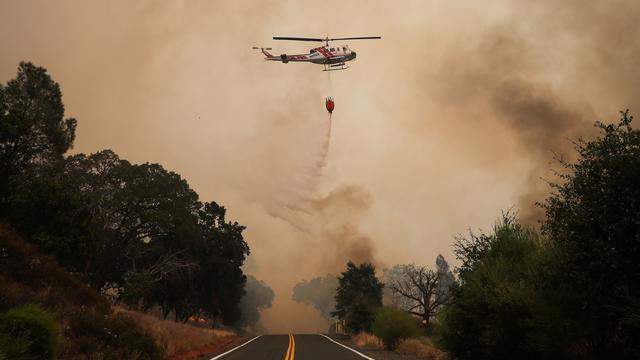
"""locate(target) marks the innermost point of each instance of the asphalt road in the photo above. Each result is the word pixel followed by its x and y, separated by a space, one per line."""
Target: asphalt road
pixel 291 347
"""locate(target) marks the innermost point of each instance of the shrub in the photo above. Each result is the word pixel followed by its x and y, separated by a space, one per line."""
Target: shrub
pixel 176 337
pixel 366 340
pixel 392 325
pixel 422 348
pixel 113 336
pixel 13 347
pixel 28 332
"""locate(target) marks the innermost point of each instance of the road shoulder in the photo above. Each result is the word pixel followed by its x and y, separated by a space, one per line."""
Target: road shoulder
pixel 377 354
pixel 207 354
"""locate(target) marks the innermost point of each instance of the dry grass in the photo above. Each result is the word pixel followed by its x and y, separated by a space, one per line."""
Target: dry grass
pixel 422 348
pixel 367 340
pixel 176 338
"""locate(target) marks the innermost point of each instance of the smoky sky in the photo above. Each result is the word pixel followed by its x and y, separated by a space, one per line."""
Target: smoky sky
pixel 453 116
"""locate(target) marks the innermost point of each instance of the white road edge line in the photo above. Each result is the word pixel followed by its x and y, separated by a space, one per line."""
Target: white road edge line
pixel 235 348
pixel 348 348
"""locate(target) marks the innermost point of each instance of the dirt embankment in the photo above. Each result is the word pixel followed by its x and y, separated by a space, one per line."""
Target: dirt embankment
pixel 90 326
pixel 181 341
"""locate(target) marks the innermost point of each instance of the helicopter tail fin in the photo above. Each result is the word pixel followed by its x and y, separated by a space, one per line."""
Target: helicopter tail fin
pixel 264 51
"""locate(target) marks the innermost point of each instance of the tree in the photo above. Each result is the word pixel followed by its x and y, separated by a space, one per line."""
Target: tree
pixel 499 309
pixel 221 254
pixel 106 218
pixel 593 221
pixel 258 296
pixel 446 280
pixel 358 296
pixel 32 125
pixel 391 297
pixel 136 230
pixel 423 290
pixel 318 292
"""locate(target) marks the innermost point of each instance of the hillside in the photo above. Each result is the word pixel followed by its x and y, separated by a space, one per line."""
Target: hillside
pixel 84 323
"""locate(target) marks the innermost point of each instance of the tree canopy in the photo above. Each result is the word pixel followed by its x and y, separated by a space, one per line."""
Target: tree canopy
pixel 137 231
pixel 33 129
pixel 494 310
pixel 358 296
pixel 572 292
pixel 593 218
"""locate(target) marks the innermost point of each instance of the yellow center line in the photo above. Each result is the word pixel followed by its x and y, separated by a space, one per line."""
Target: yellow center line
pixel 291 351
pixel 286 357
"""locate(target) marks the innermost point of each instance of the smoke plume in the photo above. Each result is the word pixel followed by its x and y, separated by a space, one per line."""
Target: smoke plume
pixel 453 116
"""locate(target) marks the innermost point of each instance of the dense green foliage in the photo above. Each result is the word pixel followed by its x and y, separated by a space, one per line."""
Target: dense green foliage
pixel 572 293
pixel 498 303
pixel 593 219
pixel 138 231
pixel 32 126
pixel 392 325
pixel 358 296
pixel 29 332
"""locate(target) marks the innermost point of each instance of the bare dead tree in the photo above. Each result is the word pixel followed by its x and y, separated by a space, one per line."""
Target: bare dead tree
pixel 421 286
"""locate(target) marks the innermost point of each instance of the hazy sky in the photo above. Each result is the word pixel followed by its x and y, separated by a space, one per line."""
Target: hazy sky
pixel 452 117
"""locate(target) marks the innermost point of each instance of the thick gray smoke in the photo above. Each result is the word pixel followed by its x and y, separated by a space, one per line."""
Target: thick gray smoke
pixel 337 227
pixel 454 115
pixel 545 79
pixel 542 122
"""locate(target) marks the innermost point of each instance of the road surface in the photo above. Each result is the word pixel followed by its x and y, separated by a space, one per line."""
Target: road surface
pixel 291 347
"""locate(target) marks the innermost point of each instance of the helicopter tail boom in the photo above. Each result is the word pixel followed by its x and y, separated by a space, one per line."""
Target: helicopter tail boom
pixel 264 51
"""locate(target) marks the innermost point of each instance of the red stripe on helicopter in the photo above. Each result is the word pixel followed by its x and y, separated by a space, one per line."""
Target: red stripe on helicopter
pixel 324 52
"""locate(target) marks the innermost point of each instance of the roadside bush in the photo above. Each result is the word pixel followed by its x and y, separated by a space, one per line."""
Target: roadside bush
pixel 422 348
pixel 28 332
pixel 111 336
pixel 366 340
pixel 176 337
pixel 392 325
pixel 13 347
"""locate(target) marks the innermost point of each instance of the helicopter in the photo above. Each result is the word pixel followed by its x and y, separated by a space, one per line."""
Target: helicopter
pixel 331 57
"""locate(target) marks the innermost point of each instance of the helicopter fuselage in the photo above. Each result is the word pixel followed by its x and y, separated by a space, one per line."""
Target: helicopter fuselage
pixel 323 55
pixel 330 56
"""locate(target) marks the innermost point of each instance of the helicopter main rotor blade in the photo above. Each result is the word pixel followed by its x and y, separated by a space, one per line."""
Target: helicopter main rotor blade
pixel 357 38
pixel 297 38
